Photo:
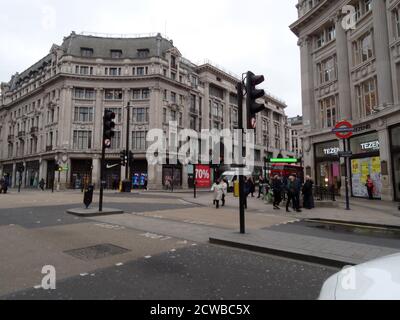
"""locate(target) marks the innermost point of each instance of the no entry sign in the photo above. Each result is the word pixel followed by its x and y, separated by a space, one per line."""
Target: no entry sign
pixel 343 130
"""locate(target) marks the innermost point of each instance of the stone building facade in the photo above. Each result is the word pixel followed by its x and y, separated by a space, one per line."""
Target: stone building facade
pixel 52 112
pixel 350 70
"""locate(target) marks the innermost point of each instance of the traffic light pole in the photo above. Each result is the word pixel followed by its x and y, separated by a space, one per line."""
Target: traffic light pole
pixel 128 120
pixel 102 169
pixel 239 87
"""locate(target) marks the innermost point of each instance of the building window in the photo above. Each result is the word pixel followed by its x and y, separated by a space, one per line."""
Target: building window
pixel 86 52
pixel 396 22
pixel 83 114
pixel 192 122
pixel 140 71
pixel 83 93
pixel 139 140
pixel 164 115
pixel 116 54
pixel 140 115
pixel 143 53
pixel 328 114
pixel 325 36
pixel 84 70
pixel 173 97
pixel 113 72
pixel 366 97
pixel 118 114
pixel 113 94
pixel 116 141
pixel 363 49
pixel 327 70
pixel 82 140
pixel 141 94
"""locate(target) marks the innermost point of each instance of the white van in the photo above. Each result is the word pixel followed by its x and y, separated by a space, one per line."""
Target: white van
pixel 231 176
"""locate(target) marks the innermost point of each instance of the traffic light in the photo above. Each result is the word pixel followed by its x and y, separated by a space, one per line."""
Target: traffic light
pixel 253 107
pixel 123 157
pixel 130 159
pixel 108 127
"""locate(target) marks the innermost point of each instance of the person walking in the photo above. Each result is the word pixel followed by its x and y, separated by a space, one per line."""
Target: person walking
pixel 41 184
pixel 298 185
pixel 260 186
pixel 252 186
pixel 247 191
pixel 217 189
pixel 277 191
pixel 308 198
pixel 224 186
pixel 370 187
pixel 291 194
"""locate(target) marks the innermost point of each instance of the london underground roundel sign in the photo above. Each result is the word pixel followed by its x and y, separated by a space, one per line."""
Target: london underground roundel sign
pixel 343 130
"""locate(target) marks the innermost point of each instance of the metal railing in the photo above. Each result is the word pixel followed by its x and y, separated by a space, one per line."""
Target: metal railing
pixel 324 193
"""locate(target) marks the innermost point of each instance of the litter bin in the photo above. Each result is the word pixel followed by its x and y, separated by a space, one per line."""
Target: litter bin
pixel 88 196
pixel 126 186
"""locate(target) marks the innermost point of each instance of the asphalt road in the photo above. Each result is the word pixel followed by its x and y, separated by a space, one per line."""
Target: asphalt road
pixel 195 272
pixel 39 217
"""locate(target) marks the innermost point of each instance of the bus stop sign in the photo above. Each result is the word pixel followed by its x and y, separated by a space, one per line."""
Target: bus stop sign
pixel 343 130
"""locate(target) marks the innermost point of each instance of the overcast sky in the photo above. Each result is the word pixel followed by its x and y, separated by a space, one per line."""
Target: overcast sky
pixel 217 30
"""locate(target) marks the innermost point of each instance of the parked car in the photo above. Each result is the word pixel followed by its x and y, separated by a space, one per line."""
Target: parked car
pixel 374 280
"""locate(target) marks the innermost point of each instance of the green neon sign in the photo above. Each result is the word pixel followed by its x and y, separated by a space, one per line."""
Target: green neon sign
pixel 283 160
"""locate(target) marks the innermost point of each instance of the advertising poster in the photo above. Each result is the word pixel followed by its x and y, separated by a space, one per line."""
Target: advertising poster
pixel 361 168
pixel 203 176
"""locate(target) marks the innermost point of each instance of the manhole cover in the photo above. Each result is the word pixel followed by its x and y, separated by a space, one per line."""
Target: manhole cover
pixel 96 252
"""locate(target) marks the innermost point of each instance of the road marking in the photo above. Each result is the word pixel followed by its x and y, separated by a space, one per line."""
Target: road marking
pixel 37 287
pixel 199 222
pixel 155 236
pixel 119 264
pixel 147 257
pixel 186 203
pixel 109 226
pixel 173 250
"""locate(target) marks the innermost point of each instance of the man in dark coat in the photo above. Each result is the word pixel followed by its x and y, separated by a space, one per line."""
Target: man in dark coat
pixel 308 198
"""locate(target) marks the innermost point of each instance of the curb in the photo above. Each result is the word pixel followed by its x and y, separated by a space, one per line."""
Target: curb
pixel 284 253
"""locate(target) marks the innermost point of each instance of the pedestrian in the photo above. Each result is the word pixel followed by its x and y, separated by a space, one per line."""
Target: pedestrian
pixel 298 184
pixel 2 183
pixel 291 194
pixel 252 186
pixel 370 187
pixel 260 186
pixel 218 192
pixel 145 183
pixel 41 184
pixel 277 188
pixel 308 198
pixel 224 186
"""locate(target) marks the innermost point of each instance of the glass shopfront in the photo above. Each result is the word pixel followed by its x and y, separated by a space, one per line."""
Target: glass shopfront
pixel 327 164
pixel 32 174
pixel 395 151
pixel 365 162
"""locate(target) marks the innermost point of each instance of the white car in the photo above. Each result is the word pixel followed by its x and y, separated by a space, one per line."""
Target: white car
pixel 374 280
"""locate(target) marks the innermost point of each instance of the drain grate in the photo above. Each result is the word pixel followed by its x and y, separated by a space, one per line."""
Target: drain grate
pixel 96 252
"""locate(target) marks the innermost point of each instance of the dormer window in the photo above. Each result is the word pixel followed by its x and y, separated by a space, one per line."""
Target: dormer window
pixel 86 52
pixel 116 54
pixel 143 53
pixel 173 62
